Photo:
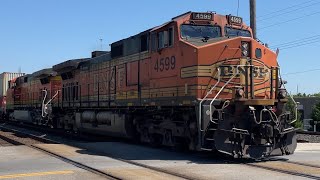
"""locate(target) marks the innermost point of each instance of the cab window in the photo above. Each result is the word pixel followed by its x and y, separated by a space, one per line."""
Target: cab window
pixel 232 32
pixel 160 40
pixel 154 42
pixel 163 39
pixel 200 31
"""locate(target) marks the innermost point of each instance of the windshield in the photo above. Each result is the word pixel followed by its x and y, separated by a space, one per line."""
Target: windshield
pixel 231 32
pixel 198 31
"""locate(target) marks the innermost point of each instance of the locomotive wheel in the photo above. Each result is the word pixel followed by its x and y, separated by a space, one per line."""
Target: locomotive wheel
pixel 145 136
pixel 167 138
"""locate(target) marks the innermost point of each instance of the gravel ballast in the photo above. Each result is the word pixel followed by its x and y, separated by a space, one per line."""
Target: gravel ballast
pixel 308 138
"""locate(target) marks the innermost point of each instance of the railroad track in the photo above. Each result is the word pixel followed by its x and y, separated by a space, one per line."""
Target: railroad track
pixel 3 143
pixel 69 135
pixel 286 166
pixel 17 137
pixel 280 165
pixel 308 132
pixel 21 138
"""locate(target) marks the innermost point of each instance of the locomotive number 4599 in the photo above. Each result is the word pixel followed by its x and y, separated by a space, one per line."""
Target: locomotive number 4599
pixel 165 64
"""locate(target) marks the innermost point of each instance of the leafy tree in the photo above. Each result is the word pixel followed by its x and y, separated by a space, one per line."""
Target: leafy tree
pixel 316 94
pixel 316 114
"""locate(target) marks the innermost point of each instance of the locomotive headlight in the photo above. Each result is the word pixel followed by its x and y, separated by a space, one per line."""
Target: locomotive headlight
pixel 239 92
pixel 245 52
pixel 245 45
pixel 245 49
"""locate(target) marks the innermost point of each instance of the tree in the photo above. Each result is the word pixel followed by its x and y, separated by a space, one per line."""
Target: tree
pixel 316 94
pixel 316 114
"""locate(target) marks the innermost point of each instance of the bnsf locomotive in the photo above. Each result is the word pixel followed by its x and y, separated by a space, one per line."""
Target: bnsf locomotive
pixel 199 80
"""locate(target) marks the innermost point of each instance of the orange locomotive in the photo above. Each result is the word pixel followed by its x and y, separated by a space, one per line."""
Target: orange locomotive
pixel 31 97
pixel 200 81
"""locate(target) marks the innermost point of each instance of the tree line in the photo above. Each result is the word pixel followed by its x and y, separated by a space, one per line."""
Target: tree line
pixel 315 115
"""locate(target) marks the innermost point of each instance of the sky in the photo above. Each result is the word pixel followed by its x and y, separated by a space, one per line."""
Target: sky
pixel 36 34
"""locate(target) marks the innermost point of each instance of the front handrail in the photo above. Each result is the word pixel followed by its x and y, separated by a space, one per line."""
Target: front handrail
pixel 53 97
pixel 294 102
pixel 45 105
pixel 208 93
pixel 222 88
pixel 205 97
pixel 295 108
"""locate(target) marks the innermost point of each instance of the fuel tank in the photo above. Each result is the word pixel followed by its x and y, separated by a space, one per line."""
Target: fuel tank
pixel 105 123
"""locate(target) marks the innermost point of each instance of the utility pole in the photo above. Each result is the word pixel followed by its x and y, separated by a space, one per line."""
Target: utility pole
pixel 253 21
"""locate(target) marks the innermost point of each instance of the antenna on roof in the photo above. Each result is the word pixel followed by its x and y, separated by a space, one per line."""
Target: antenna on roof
pixel 101 43
pixel 238 7
pixel 19 70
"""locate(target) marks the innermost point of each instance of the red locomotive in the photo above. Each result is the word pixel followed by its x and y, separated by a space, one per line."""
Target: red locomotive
pixel 199 80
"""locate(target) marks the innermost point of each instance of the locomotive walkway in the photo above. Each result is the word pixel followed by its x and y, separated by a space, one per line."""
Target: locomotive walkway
pixel 130 161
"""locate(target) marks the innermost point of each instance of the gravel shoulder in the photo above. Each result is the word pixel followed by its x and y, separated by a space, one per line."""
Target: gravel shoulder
pixel 307 138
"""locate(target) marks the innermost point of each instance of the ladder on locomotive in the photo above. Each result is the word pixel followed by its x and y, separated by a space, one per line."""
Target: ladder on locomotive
pixel 207 110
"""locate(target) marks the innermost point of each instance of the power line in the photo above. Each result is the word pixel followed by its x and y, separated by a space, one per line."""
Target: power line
pixel 290 7
pixel 290 20
pixel 298 45
pixel 300 72
pixel 287 12
pixel 285 9
pixel 297 41
pixel 293 8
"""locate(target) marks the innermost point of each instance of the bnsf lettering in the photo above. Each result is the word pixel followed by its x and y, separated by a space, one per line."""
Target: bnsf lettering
pixel 165 64
pixel 229 71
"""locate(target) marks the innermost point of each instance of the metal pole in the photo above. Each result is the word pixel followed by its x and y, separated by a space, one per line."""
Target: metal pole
pixel 253 22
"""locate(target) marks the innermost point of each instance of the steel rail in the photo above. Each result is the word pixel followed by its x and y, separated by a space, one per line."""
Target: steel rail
pixel 294 162
pixel 249 163
pixel 308 132
pixel 60 157
pixel 93 170
pixel 283 171
pixel 5 142
pixel 255 164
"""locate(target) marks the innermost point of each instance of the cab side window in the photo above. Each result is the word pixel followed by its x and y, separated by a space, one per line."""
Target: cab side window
pixel 161 43
pixel 163 39
pixel 153 42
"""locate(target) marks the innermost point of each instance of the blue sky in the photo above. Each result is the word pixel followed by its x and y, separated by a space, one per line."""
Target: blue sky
pixel 37 34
